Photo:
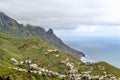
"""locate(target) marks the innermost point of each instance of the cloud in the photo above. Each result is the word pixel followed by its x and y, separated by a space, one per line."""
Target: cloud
pixel 99 29
pixel 91 28
pixel 64 14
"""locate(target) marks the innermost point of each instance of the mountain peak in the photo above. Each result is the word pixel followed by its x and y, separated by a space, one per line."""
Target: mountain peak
pixel 3 16
pixel 1 13
pixel 6 20
pixel 50 31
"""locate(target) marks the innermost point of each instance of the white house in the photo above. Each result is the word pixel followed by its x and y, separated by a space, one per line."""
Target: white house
pixel 35 66
pixel 14 60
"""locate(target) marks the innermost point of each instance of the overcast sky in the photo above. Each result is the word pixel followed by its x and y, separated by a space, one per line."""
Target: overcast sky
pixel 81 17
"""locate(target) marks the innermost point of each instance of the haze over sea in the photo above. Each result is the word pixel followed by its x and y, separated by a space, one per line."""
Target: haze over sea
pixel 97 48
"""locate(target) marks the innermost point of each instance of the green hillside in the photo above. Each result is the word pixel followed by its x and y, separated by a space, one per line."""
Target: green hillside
pixel 109 68
pixel 31 53
pixel 51 59
pixel 32 48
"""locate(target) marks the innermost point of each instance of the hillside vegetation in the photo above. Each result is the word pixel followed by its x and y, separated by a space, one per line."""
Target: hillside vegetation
pixel 31 53
pixel 36 49
pixel 12 27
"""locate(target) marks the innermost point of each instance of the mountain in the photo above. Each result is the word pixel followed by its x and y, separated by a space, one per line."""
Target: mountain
pixel 15 52
pixel 31 53
pixel 35 59
pixel 12 27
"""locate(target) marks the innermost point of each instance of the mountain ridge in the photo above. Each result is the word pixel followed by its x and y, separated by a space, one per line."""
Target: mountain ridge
pixel 30 53
pixel 11 26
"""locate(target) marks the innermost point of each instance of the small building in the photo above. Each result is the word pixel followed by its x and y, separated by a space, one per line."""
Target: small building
pixel 50 50
pixel 21 62
pixel 74 70
pixel 35 66
pixel 57 55
pixel 14 60
pixel 39 62
pixel 28 61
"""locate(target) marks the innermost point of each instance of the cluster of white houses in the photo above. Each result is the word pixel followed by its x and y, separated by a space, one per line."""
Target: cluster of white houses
pixel 35 68
pixel 73 72
pixel 52 50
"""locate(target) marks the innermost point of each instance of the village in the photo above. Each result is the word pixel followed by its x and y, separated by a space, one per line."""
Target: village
pixel 73 73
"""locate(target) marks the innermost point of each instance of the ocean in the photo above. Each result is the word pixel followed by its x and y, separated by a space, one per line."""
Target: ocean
pixel 97 48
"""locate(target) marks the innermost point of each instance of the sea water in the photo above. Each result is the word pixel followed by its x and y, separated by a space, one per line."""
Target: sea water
pixel 98 48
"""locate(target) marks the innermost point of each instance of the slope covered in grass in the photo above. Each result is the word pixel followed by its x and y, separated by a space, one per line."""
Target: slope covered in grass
pixel 36 49
pixel 109 68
